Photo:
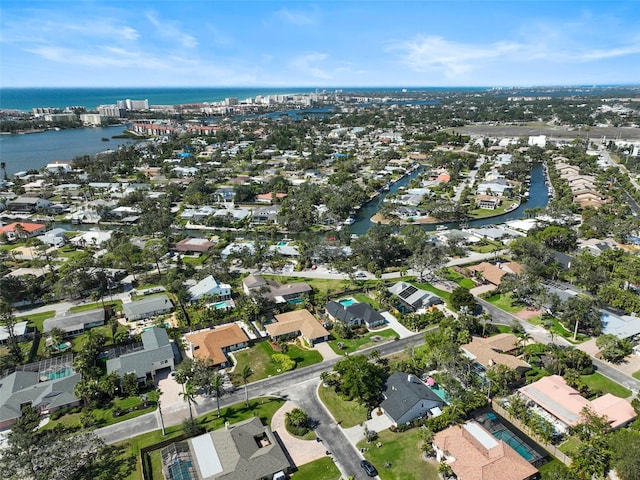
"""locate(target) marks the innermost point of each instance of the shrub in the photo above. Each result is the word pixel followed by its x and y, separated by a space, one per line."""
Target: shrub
pixel 283 362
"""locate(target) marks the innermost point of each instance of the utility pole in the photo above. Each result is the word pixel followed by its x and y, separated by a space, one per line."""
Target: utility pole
pixel 161 419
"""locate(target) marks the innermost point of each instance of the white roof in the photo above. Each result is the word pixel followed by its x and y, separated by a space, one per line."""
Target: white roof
pixel 19 329
pixel 487 440
pixel 206 455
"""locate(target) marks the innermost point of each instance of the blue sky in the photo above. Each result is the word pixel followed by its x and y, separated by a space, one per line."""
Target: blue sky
pixel 324 43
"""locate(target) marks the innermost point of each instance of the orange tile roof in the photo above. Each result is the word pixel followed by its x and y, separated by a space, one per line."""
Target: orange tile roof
pixel 487 353
pixel 490 272
pixel 209 344
pixel 297 321
pixel 475 461
pixel 27 227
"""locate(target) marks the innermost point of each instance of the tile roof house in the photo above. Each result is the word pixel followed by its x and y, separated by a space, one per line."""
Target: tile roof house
pixel 488 352
pixel 412 298
pixel 193 245
pixel 156 353
pixel 26 388
pixel 474 454
pixel 355 314
pixel 246 450
pixel 73 324
pixel 215 344
pixel 565 403
pixel 406 398
pixel 297 323
pixel 23 230
pixel 147 307
pixel 256 284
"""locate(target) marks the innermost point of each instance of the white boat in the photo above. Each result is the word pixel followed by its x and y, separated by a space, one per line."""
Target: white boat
pixel 440 228
pixel 349 221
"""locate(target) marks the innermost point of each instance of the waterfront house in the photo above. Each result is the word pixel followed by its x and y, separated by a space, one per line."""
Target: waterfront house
pixel 193 246
pixel 22 230
pixel 406 398
pixel 26 204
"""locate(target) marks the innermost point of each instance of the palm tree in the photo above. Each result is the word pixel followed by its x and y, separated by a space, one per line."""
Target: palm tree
pixel 56 334
pixel 297 418
pixel 189 395
pixel 216 387
pixel 245 374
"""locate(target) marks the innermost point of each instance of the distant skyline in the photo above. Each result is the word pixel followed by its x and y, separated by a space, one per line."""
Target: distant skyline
pixel 94 43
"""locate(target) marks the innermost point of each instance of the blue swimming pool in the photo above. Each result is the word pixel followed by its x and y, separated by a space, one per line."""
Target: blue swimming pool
pixel 514 442
pixel 345 302
pixel 440 392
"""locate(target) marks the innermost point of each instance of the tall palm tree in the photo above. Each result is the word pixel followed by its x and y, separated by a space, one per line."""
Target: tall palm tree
pixel 216 387
pixel 245 374
pixel 189 395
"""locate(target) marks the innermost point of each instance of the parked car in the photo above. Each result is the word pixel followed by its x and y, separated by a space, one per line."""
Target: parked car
pixel 369 469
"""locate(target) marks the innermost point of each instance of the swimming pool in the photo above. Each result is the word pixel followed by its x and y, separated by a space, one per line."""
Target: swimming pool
pixel 59 374
pixel 440 392
pixel 514 442
pixel 345 302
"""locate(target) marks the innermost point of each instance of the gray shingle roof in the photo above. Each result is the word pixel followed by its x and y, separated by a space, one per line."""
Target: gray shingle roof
pixel 71 322
pixel 147 306
pixel 356 311
pixel 403 391
pixel 157 348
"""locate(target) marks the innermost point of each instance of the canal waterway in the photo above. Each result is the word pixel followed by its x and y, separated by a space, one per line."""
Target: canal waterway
pixel 538 197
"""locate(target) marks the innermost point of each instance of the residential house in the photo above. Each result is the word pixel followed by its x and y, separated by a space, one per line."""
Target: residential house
pixel 474 454
pixel 488 202
pixel 254 285
pixel 22 388
pixel 412 298
pixel 491 351
pixel 146 360
pixel 54 237
pixel 21 230
pixel 297 323
pixel 270 197
pixel 246 450
pixel 215 344
pixel 555 400
pixel 355 314
pixel 92 238
pixel 266 214
pixel 219 294
pixel 28 204
pixel 406 398
pixel 147 307
pixel 73 324
pixel 19 331
pixel 193 245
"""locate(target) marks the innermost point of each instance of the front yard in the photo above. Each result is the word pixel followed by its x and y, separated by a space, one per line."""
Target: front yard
pixel 321 469
pixel 398 457
pixel 598 382
pixel 259 359
pixel 504 302
pixel 351 345
pixel 348 412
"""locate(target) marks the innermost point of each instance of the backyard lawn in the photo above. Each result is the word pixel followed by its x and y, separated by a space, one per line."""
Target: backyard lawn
pixel 596 381
pixel 446 296
pixel 353 344
pixel 258 358
pixel 402 452
pixel 451 274
pixel 321 469
pixel 260 407
pixel 348 412
pixel 364 298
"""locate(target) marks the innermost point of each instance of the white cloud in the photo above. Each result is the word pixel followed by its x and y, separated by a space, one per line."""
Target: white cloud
pixel 298 17
pixel 308 64
pixel 170 30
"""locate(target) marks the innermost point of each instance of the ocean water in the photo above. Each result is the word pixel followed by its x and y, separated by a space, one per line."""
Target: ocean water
pixel 27 98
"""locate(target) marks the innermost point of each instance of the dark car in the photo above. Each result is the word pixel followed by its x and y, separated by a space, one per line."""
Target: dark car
pixel 369 469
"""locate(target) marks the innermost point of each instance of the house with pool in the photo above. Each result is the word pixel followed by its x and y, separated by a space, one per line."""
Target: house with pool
pixel 406 398
pixel 353 314
pixel 257 285
pixel 73 324
pixel 298 323
pixel 217 294
pixel 411 298
pixel 473 453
